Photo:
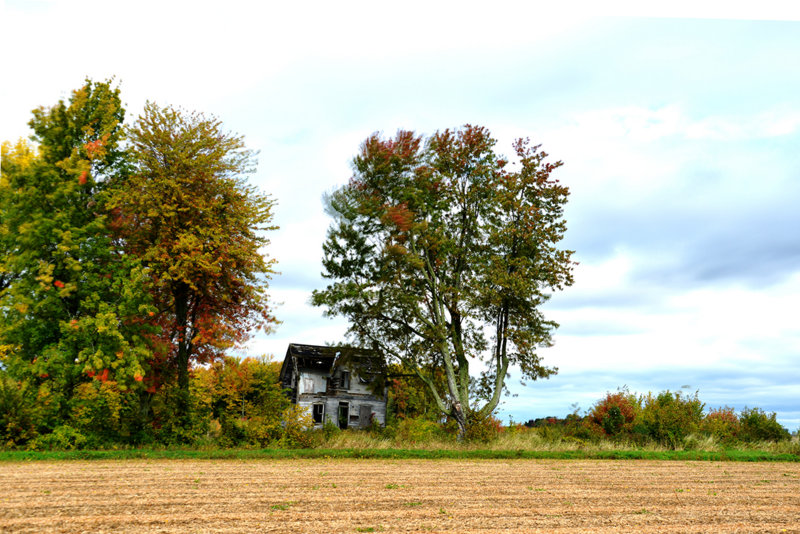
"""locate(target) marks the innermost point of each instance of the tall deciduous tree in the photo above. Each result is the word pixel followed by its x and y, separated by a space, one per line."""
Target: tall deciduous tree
pixel 189 215
pixel 69 302
pixel 441 254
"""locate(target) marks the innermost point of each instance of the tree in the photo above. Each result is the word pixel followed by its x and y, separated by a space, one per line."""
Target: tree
pixel 189 215
pixel 69 302
pixel 436 244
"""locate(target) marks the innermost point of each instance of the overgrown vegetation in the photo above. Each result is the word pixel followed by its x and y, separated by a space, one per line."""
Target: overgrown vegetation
pixel 237 404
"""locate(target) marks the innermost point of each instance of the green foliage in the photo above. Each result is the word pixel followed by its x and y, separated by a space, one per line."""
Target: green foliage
pixel 70 303
pixel 62 438
pixel 297 425
pixel 178 416
pixel 482 429
pixel 246 398
pixel 757 425
pixel 107 413
pixel 17 415
pixel 669 417
pixel 330 430
pixel 433 244
pixel 420 430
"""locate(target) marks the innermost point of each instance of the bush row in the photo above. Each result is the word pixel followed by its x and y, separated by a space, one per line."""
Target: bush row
pixel 232 403
pixel 237 403
pixel 668 419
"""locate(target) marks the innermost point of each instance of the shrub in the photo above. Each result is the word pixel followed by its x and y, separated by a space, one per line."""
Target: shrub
pixel 584 429
pixel 418 429
pixel 260 430
pixel 17 416
pixel 232 431
pixel 722 424
pixel 615 413
pixel 63 437
pixel 104 413
pixel 483 430
pixel 669 417
pixel 297 425
pixel 756 425
pixel 330 429
pixel 170 427
pixel 551 432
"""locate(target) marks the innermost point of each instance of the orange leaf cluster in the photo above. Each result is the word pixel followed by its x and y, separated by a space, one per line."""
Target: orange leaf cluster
pixel 96 148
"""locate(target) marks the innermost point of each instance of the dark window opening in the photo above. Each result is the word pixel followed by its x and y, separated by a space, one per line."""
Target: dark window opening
pixel 345 380
pixel 318 412
pixel 344 415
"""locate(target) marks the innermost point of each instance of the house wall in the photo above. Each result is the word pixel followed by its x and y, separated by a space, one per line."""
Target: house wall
pixel 311 389
pixel 311 382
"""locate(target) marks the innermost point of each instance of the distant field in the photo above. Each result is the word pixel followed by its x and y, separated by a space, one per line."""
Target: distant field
pixel 318 495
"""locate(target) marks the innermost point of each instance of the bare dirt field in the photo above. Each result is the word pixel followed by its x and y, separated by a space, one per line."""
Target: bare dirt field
pixel 399 496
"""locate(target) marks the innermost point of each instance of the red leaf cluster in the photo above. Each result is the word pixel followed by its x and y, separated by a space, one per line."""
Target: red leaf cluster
pixel 400 216
pixel 82 178
pixel 59 284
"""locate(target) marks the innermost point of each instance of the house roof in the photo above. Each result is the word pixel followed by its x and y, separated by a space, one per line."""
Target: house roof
pixel 324 358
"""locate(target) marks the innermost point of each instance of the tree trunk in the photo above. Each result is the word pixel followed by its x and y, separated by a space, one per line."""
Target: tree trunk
pixel 181 299
pixel 461 420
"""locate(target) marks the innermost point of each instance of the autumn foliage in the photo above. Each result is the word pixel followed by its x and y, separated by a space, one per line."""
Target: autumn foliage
pixel 127 257
pixel 440 255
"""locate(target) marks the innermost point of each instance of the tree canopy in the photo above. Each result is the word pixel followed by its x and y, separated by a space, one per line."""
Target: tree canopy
pixel 69 301
pixel 441 254
pixel 126 255
pixel 189 215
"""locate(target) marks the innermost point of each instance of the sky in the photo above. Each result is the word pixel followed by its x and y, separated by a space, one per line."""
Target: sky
pixel 679 129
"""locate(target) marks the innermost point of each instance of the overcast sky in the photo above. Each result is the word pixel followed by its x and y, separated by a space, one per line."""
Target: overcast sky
pixel 679 129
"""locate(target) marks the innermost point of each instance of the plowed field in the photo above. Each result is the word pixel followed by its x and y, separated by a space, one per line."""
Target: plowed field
pixel 399 496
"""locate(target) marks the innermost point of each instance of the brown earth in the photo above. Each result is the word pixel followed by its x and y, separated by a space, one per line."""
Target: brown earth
pixel 399 496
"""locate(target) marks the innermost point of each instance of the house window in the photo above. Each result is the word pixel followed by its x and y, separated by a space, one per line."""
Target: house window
pixel 345 380
pixel 318 412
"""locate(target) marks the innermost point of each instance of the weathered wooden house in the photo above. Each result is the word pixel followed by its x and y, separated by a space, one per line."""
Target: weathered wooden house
pixel 340 385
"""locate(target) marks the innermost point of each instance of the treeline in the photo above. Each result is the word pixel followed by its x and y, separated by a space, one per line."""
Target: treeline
pixel 232 403
pixel 240 403
pixel 128 255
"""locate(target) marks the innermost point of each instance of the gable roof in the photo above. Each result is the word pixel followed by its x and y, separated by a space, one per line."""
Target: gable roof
pixel 325 359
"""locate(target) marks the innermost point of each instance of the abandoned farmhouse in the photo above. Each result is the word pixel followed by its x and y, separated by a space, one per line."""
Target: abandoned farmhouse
pixel 338 385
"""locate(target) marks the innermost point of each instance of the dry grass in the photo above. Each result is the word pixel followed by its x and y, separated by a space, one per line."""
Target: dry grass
pixel 399 496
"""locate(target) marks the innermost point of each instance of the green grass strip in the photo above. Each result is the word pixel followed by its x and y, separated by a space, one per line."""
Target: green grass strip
pixel 394 454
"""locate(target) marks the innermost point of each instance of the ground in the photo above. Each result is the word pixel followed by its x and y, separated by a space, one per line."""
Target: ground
pixel 338 496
